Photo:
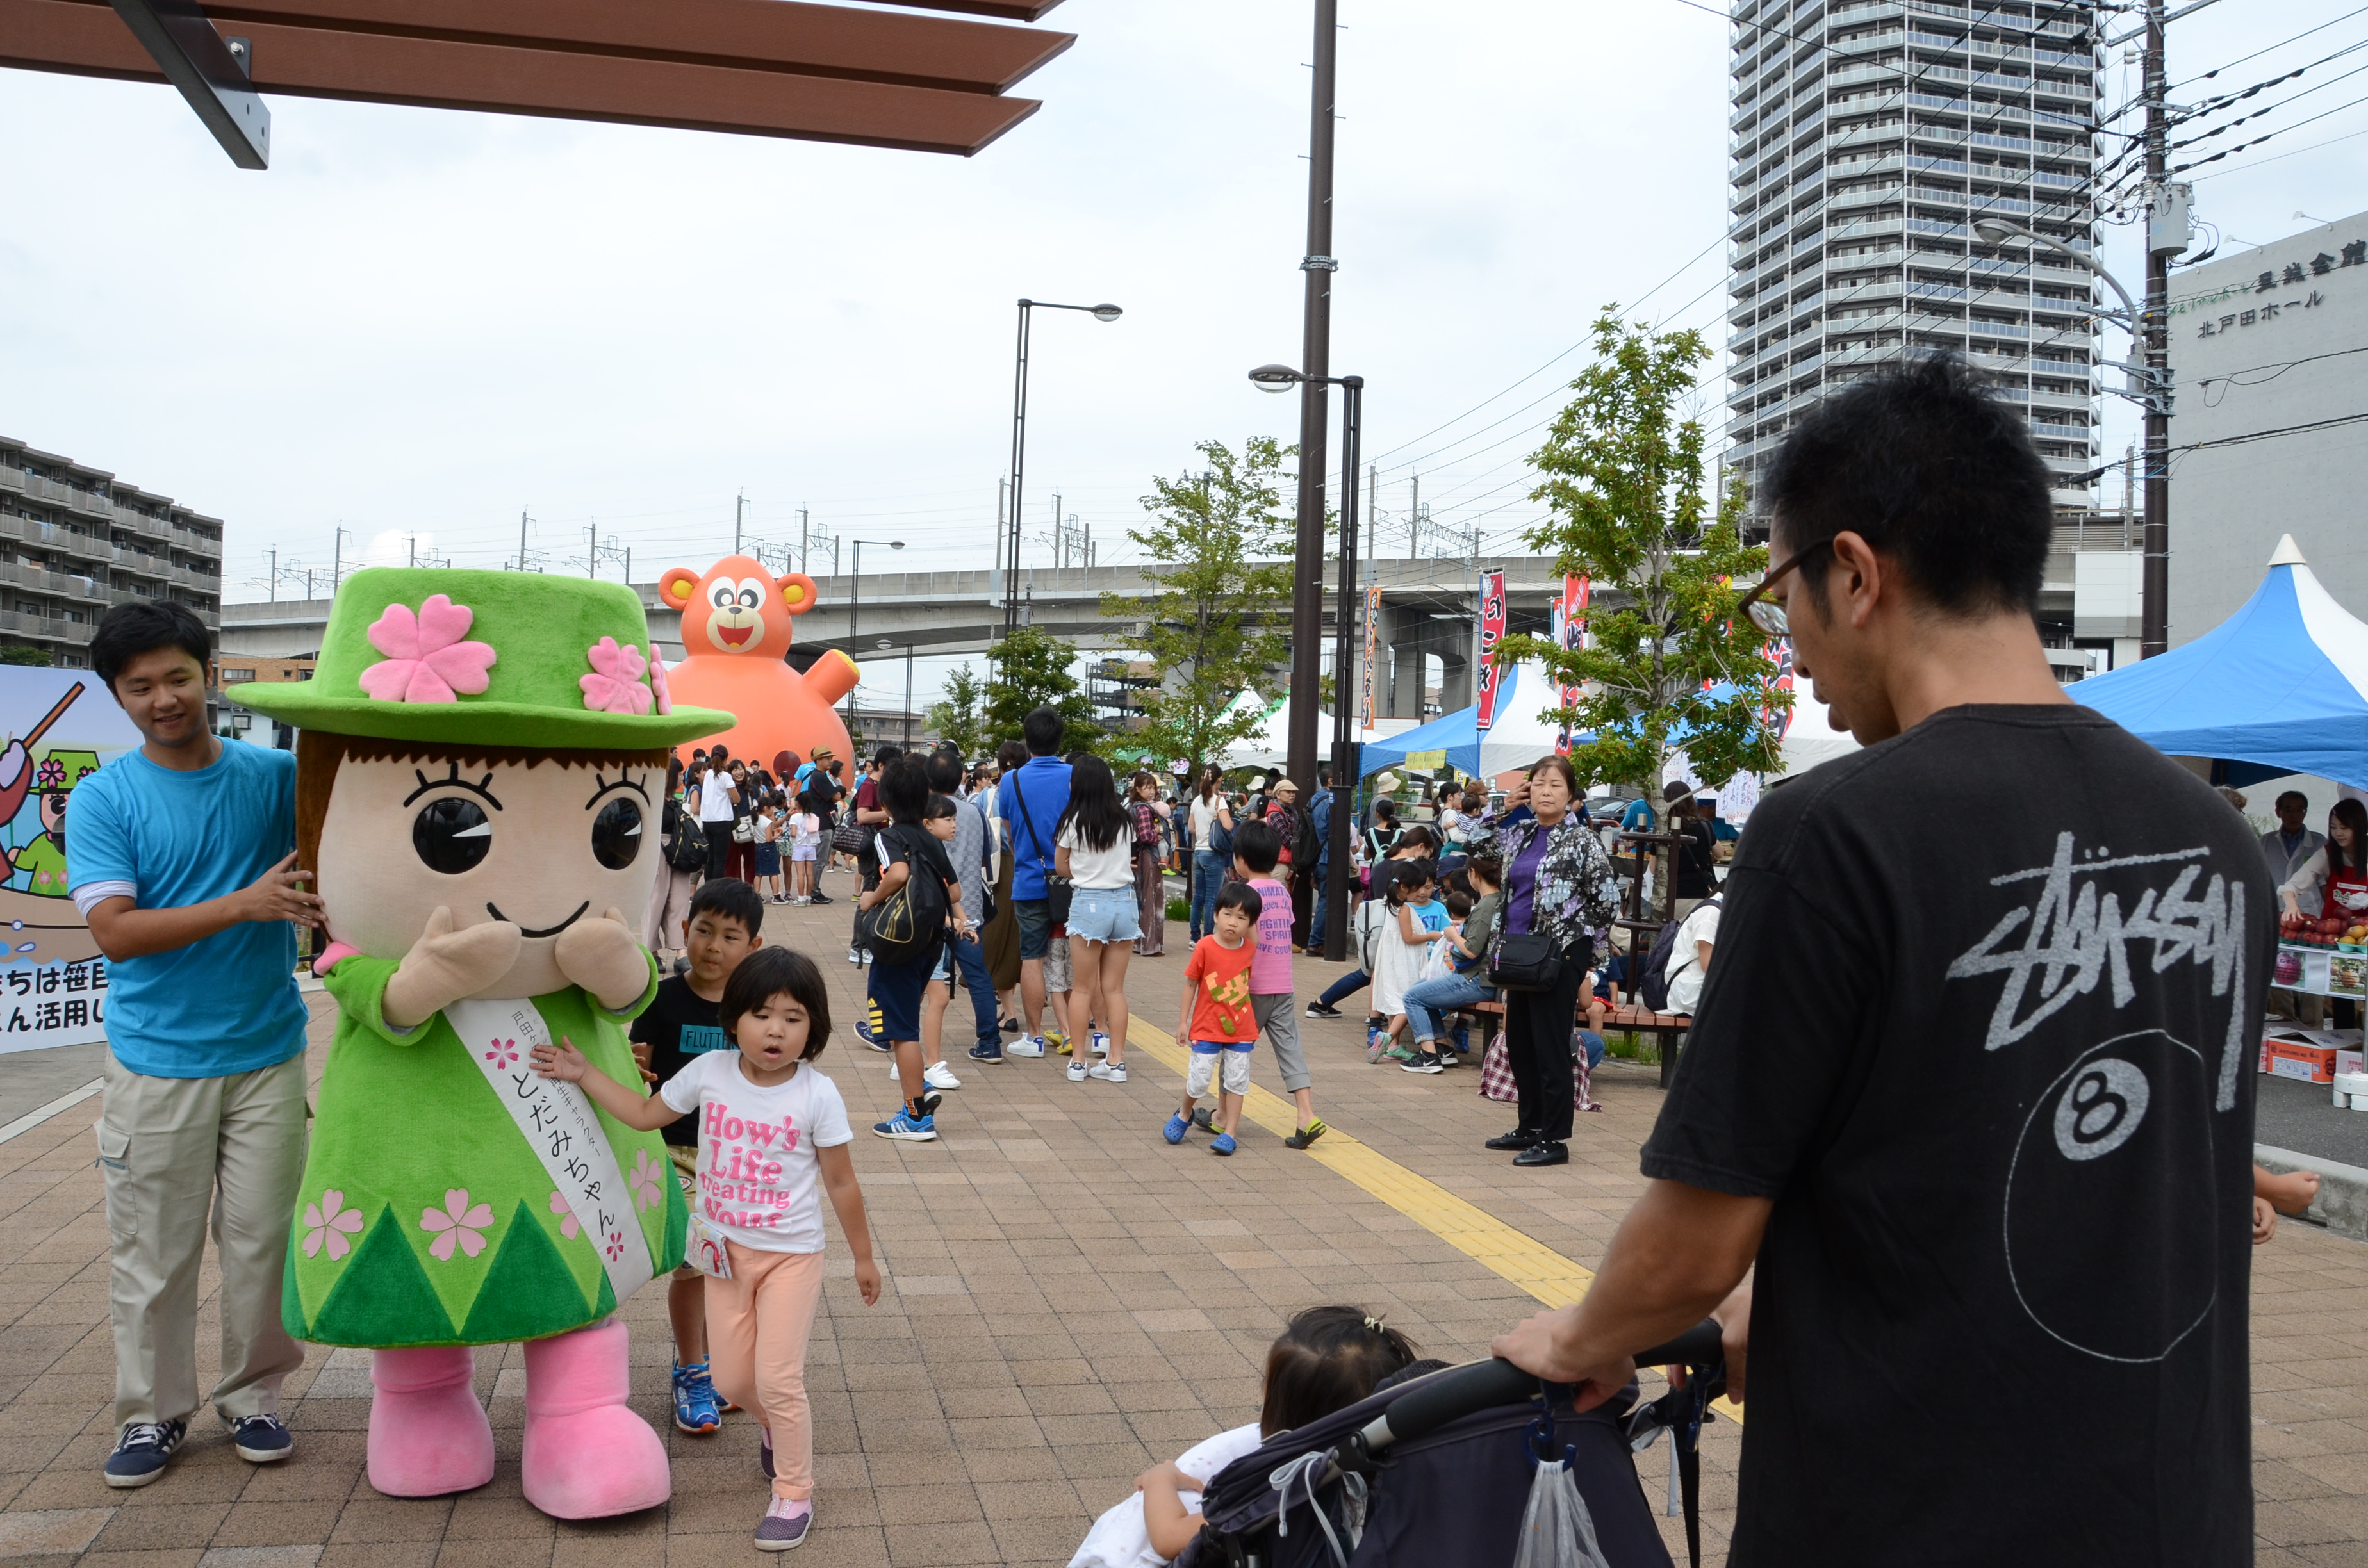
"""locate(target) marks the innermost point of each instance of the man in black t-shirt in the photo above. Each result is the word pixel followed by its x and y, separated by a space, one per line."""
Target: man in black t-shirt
pixel 1980 1102
pixel 723 927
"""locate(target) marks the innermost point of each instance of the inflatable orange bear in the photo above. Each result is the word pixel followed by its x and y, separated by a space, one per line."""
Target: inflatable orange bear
pixel 736 638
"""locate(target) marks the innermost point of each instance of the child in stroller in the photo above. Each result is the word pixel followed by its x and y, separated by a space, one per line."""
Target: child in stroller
pixel 1326 1358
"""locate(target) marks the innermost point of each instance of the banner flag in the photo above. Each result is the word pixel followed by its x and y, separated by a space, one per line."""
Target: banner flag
pixel 1492 631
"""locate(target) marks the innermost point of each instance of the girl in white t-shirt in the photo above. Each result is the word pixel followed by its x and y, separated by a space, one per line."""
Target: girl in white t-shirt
pixel 772 1130
pixel 805 839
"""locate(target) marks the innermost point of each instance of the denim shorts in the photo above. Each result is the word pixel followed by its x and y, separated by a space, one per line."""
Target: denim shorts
pixel 1105 914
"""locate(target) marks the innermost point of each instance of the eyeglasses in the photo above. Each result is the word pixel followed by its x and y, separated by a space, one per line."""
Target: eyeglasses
pixel 1768 614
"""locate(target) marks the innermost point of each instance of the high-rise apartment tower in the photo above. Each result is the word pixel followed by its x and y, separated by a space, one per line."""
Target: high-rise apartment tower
pixel 1866 139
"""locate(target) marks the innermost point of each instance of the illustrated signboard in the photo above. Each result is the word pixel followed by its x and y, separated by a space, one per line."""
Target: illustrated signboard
pixel 61 726
pixel 1492 631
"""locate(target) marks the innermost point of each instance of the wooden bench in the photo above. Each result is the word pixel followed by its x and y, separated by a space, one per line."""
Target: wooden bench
pixel 1630 1018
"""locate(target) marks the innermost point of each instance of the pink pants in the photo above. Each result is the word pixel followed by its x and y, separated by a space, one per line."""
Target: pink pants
pixel 757 1325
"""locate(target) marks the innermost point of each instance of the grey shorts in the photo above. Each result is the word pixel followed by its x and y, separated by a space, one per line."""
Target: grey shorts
pixel 1035 919
pixel 1058 976
pixel 1278 1022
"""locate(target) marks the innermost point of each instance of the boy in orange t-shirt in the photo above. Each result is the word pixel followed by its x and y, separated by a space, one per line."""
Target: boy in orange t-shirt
pixel 1218 1022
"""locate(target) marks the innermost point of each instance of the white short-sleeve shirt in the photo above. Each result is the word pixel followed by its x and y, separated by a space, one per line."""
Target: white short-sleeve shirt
pixel 758 1181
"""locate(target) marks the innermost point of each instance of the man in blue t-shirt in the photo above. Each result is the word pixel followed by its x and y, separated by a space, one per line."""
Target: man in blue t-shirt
pixel 182 859
pixel 1030 799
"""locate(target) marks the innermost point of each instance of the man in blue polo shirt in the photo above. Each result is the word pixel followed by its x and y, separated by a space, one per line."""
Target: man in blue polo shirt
pixel 182 859
pixel 1030 799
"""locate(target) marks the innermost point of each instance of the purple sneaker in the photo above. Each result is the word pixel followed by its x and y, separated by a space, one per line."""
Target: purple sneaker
pixel 764 1452
pixel 784 1525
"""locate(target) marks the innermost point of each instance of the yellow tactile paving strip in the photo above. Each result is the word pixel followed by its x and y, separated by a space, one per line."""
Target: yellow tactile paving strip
pixel 1473 1231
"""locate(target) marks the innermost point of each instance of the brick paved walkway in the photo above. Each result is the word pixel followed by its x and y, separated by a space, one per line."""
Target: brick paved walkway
pixel 1070 1301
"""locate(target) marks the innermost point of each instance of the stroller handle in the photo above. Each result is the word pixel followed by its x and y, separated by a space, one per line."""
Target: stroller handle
pixel 1476 1386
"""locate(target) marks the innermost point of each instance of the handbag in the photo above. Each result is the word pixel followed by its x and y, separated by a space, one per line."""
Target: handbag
pixel 1529 961
pixel 744 831
pixel 1496 1072
pixel 850 836
pixel 1058 889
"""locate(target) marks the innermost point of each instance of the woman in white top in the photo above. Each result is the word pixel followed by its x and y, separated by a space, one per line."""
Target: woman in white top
pixel 1209 812
pixel 1094 847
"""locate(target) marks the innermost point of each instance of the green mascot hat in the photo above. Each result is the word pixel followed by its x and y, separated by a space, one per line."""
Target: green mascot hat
pixel 502 658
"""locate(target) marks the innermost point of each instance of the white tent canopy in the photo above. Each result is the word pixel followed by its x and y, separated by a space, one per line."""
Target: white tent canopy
pixel 1269 746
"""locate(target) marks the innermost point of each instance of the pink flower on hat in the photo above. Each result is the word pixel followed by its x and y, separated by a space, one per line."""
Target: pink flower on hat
pixel 658 680
pixel 426 660
pixel 615 685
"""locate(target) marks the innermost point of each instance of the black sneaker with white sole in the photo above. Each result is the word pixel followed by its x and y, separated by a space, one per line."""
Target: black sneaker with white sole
pixel 1318 1010
pixel 262 1440
pixel 143 1450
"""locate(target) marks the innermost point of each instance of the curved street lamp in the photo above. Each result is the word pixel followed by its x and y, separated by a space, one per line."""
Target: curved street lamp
pixel 1008 547
pixel 1282 378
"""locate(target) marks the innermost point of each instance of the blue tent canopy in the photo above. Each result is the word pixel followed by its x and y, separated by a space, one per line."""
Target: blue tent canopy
pixel 2281 687
pixel 1518 738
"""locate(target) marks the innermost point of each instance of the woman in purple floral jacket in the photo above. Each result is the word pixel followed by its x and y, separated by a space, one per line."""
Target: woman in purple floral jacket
pixel 1558 883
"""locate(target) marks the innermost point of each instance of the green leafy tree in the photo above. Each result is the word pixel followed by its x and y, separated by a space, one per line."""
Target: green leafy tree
pixel 960 718
pixel 1668 656
pixel 1031 669
pixel 1221 609
pixel 24 654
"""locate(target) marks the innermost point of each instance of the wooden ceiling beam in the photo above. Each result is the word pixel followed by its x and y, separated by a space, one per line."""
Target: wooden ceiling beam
pixel 437 73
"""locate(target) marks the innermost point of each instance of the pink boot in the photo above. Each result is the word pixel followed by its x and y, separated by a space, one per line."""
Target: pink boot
pixel 429 1435
pixel 586 1455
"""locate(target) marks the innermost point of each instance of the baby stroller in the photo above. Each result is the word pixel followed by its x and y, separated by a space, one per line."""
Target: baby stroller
pixel 1439 1471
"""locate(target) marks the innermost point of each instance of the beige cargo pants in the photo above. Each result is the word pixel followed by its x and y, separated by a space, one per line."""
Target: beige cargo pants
pixel 173 1150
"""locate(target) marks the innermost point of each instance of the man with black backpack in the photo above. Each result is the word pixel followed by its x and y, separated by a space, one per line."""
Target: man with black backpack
pixel 1672 981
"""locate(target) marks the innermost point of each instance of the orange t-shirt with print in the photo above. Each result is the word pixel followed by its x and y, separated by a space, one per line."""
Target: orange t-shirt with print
pixel 1220 994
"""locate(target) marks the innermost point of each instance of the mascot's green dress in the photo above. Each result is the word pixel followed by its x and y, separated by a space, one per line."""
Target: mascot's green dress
pixel 480 766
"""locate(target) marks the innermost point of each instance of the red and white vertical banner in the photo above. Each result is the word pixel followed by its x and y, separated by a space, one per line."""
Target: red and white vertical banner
pixel 1492 631
pixel 1373 631
pixel 1569 635
pixel 1778 721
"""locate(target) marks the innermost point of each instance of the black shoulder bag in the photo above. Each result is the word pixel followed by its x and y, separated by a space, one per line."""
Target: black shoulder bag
pixel 1529 961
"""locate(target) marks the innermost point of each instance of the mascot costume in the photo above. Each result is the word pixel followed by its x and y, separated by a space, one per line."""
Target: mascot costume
pixel 735 636
pixel 480 763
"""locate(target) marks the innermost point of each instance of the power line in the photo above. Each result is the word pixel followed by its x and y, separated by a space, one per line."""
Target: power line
pixel 2293 153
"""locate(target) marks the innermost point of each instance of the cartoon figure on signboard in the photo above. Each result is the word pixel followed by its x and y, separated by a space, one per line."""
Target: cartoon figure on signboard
pixel 735 634
pixel 43 862
pixel 479 768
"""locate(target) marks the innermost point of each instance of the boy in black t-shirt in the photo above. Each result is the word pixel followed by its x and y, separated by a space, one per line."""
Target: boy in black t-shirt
pixel 723 927
pixel 907 850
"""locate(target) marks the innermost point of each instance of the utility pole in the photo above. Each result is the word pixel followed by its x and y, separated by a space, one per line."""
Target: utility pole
pixel 806 533
pixel 739 509
pixel 1314 367
pixel 2166 210
pixel 337 560
pixel 274 589
pixel 592 555
pixel 521 539
pixel 413 542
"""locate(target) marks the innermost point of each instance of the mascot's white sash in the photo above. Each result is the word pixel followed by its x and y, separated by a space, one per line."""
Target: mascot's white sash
pixel 560 1125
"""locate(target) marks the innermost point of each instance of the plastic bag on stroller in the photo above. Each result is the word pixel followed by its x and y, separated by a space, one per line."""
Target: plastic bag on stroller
pixel 1457 1492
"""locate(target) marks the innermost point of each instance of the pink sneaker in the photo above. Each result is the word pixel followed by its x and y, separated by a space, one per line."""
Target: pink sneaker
pixel 587 1456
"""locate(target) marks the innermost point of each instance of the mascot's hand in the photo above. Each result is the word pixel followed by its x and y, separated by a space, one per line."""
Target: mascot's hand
pixel 445 965
pixel 605 959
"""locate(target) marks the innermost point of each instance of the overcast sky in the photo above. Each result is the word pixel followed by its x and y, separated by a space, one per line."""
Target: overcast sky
pixel 420 322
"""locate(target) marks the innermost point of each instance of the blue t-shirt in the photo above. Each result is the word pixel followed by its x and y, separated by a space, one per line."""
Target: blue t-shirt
pixel 228 1003
pixel 1638 818
pixel 1043 783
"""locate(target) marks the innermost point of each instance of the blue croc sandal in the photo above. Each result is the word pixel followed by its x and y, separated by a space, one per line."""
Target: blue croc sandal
pixel 1175 1129
pixel 1221 1144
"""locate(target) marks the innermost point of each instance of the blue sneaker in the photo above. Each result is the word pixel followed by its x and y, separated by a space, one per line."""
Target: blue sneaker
pixel 1222 1143
pixel 262 1440
pixel 988 1050
pixel 1175 1129
pixel 696 1408
pixel 143 1451
pixel 868 1029
pixel 905 1128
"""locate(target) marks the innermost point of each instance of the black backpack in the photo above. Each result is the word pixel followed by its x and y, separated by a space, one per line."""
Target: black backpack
pixel 689 854
pixel 910 923
pixel 1654 987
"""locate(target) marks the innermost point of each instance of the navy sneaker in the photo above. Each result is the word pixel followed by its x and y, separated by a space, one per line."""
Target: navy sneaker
pixel 143 1451
pixel 784 1525
pixel 262 1440
pixel 696 1408
pixel 991 1050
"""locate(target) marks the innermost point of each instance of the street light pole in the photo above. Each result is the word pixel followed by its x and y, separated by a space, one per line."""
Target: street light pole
pixel 1277 378
pixel 2154 624
pixel 1008 546
pixel 1314 368
pixel 855 596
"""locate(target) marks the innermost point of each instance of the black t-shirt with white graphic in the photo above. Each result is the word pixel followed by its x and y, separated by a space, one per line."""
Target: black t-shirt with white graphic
pixel 678 1025
pixel 1984 1022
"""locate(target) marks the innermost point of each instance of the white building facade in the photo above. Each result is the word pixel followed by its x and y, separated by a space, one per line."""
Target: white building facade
pixel 1866 140
pixel 2269 429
